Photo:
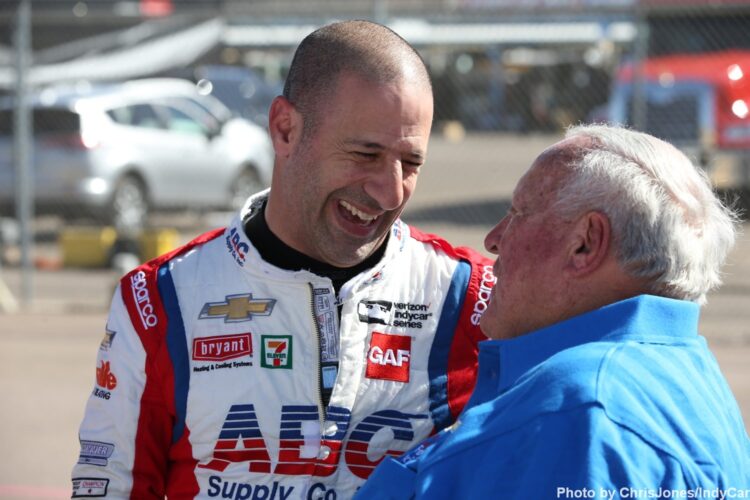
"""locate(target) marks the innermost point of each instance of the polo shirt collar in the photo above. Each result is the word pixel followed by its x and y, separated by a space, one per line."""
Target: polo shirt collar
pixel 644 318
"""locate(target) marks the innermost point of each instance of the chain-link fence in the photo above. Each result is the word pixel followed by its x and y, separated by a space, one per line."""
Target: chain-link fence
pixel 677 69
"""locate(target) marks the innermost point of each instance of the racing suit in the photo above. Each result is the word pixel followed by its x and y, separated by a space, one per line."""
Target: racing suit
pixel 208 377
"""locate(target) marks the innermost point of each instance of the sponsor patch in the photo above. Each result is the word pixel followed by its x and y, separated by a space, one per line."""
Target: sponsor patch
pixel 389 357
pixel 95 452
pixel 375 311
pixel 105 380
pixel 398 314
pixel 89 487
pixel 276 351
pixel 237 248
pixel 483 297
pixel 139 288
pixel 109 337
pixel 222 347
pixel 325 314
pixel 237 308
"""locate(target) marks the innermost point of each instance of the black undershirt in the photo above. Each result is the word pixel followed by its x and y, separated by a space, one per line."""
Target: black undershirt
pixel 281 255
pixel 278 253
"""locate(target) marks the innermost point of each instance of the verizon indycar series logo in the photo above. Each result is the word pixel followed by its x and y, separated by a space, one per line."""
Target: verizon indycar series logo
pixel 398 314
pixel 142 299
pixel 389 357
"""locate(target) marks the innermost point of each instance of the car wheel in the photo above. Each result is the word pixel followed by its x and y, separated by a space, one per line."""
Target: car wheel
pixel 246 184
pixel 129 204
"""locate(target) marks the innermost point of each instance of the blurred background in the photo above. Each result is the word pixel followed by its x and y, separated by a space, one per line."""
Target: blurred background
pixel 114 113
pixel 127 127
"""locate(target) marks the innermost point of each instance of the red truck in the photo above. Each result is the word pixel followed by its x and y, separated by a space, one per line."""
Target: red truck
pixel 699 102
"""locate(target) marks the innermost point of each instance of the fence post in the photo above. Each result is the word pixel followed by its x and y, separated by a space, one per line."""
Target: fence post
pixel 23 134
pixel 640 54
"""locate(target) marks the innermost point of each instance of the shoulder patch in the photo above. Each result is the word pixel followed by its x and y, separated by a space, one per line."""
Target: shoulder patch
pixel 140 291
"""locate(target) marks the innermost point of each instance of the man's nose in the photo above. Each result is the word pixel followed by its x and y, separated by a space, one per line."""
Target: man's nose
pixel 492 240
pixel 386 185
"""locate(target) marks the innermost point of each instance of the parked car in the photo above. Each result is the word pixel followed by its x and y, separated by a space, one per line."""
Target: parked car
pixel 243 90
pixel 700 102
pixel 119 151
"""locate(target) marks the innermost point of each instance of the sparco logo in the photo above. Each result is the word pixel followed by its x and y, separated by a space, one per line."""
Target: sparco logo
pixel 143 300
pixel 483 297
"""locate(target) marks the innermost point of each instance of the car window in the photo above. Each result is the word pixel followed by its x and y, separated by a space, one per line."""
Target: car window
pixel 179 121
pixel 137 115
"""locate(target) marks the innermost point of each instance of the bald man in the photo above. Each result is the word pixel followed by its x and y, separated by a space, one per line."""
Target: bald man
pixel 286 355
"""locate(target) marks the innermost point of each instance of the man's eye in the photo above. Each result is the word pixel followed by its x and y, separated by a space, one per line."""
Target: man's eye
pixel 365 156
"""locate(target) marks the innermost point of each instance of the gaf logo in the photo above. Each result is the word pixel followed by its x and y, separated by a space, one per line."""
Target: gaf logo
pixel 276 351
pixel 222 347
pixel 388 357
pixel 142 300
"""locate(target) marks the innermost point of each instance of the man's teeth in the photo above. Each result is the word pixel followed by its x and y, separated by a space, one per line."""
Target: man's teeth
pixel 354 211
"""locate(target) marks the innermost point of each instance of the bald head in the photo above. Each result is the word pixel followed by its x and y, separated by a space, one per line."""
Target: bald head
pixel 368 50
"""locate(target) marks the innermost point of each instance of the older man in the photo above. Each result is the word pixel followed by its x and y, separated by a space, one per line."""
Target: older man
pixel 283 356
pixel 596 383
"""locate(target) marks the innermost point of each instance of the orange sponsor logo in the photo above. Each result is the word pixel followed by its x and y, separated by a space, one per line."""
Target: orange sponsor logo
pixel 104 377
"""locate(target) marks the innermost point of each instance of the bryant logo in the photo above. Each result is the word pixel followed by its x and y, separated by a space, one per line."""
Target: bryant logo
pixel 388 357
pixel 222 347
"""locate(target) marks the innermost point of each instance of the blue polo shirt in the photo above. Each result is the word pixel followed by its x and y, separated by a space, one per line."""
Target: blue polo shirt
pixel 622 402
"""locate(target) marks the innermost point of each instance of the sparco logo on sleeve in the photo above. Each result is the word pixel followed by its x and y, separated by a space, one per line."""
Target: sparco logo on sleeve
pixel 389 357
pixel 483 297
pixel 143 300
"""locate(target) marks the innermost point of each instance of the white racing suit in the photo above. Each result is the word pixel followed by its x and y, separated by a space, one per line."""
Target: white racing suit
pixel 208 377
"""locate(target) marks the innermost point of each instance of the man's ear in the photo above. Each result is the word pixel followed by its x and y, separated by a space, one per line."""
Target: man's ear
pixel 284 126
pixel 589 244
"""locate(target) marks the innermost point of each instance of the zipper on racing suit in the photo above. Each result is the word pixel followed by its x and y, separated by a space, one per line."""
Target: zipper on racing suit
pixel 319 364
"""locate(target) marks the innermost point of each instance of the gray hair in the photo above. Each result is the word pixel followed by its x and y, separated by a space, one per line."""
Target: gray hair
pixel 369 50
pixel 667 223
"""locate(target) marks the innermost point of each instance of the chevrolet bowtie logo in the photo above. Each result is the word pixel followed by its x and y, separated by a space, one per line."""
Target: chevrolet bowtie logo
pixel 237 308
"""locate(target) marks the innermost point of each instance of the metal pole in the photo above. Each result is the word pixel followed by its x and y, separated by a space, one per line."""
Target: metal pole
pixel 23 136
pixel 640 101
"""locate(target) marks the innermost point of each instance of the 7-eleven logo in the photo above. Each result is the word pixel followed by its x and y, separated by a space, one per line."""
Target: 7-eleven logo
pixel 276 351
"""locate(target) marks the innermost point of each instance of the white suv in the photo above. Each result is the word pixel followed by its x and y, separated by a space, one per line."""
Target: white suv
pixel 117 151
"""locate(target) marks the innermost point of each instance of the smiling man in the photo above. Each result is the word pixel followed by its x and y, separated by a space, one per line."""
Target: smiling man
pixel 284 356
